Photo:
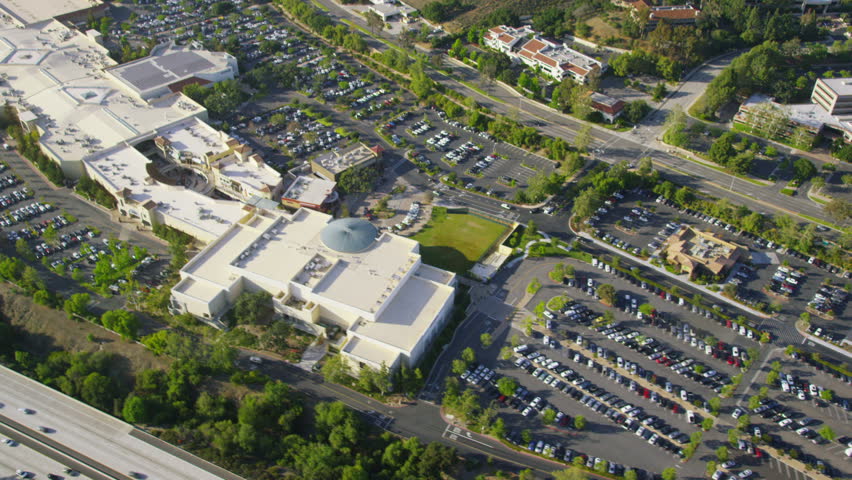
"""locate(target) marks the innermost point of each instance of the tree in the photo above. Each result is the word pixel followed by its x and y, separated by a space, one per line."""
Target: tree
pixel 838 209
pixel 558 273
pixel 459 366
pixel 607 294
pixel 635 111
pixel 506 352
pixel 135 410
pixel 646 166
pixel 583 138
pixel 77 305
pixel 122 322
pixel 707 424
pixel 335 369
pixel 827 433
pixel 98 391
pixel 548 416
pixel 421 84
pixel 659 92
pixel 23 249
pixel 507 386
pixel 374 21
pixel 468 355
pixel 772 377
pixel 804 169
pixel 722 454
pixel 586 203
pixel 722 149
pixel 669 474
pixel 753 402
pixel 252 308
pixel 631 475
pixel 711 467
pixel 572 473
pixel 743 422
pixel 580 422
pixel 485 339
pixel 827 395
pixel 715 403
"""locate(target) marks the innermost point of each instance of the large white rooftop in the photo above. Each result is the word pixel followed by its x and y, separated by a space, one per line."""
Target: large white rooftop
pixel 123 168
pixel 26 12
pixel 408 315
pixel 56 74
pixel 840 86
pixel 168 67
pixel 274 251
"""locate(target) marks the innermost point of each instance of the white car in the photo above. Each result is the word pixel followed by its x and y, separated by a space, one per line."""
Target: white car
pixel 9 441
pixel 745 474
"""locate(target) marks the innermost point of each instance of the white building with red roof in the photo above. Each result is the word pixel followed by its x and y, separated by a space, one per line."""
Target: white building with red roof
pixel 556 60
pixel 505 38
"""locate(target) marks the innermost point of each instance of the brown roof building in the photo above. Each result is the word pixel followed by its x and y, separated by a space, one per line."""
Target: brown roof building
pixel 696 251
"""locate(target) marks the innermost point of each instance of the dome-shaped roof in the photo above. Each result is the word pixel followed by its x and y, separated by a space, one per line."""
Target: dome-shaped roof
pixel 349 235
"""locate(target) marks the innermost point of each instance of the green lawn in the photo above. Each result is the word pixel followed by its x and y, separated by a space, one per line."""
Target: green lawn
pixel 456 241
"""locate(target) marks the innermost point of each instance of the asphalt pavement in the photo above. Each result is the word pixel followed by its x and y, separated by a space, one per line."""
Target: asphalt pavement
pixel 91 437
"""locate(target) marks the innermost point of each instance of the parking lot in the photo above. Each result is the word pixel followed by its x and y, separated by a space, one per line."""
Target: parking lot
pixel 75 235
pixel 479 162
pixel 641 222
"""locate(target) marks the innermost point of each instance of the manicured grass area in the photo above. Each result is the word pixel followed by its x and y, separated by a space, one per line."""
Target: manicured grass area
pixel 455 241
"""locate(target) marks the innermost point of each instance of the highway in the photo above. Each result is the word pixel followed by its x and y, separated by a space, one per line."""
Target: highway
pixel 92 438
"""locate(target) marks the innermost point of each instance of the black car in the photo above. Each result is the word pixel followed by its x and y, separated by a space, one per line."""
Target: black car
pixel 53 476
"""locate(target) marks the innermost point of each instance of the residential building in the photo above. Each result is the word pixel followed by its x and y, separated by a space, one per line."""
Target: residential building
pixel 611 108
pixel 322 271
pixel 504 38
pixel 698 252
pixel 556 60
pixel 310 191
pixel 333 163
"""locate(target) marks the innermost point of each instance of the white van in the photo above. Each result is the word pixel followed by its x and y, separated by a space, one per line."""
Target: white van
pixel 256 360
pixel 690 416
pixel 594 262
pixel 522 349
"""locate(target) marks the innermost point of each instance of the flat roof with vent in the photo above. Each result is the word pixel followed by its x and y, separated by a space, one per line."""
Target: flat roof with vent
pixel 310 189
pixel 26 12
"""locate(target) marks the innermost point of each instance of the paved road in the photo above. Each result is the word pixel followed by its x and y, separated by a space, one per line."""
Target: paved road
pixel 33 456
pixel 621 146
pixel 92 437
pixel 420 419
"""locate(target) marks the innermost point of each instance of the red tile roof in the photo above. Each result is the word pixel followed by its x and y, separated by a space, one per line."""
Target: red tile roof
pixel 575 69
pixel 675 14
pixel 610 109
pixel 546 59
pixel 497 30
pixel 534 45
pixel 506 38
